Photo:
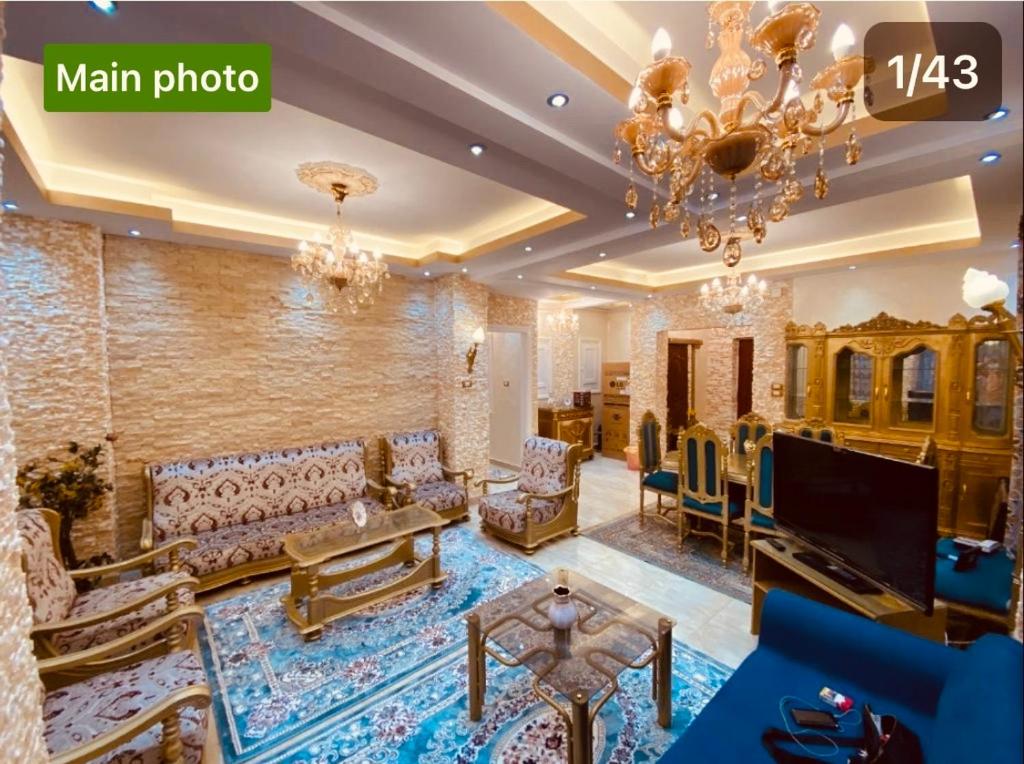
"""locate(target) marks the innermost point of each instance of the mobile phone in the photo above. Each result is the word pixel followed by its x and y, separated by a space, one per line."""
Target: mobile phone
pixel 809 717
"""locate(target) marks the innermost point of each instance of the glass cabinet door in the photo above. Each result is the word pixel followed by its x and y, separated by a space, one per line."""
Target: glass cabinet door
pixel 854 380
pixel 911 392
pixel 796 381
pixel 992 385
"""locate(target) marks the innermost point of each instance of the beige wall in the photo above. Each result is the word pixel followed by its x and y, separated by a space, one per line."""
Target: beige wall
pixel 21 724
pixel 617 334
pixel 922 288
pixel 56 333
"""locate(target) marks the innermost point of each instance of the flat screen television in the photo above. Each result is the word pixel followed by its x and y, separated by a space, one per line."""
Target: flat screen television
pixel 871 514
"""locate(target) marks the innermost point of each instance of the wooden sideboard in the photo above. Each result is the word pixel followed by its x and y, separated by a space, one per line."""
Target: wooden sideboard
pixel 569 424
pixel 887 384
pixel 615 409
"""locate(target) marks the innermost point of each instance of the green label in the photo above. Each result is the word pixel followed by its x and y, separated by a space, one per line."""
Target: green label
pixel 156 77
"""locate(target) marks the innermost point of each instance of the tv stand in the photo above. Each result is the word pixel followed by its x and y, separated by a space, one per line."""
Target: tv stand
pixel 837 573
pixel 798 570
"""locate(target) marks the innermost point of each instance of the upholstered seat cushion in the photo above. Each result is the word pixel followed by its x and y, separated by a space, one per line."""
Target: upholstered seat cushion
pixel 438 496
pixel 663 480
pixel 712 507
pixel 107 598
pixel 759 520
pixel 80 712
pixel 986 586
pixel 239 544
pixel 545 465
pixel 416 457
pixel 502 510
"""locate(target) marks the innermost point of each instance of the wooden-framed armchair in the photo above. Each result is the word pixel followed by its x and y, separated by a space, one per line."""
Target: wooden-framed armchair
pixel 653 478
pixel 703 490
pixel 100 705
pixel 66 620
pixel 748 427
pixel 759 507
pixel 545 501
pixel 817 429
pixel 412 465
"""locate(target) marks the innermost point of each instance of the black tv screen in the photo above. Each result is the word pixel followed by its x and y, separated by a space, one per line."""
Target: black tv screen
pixel 874 515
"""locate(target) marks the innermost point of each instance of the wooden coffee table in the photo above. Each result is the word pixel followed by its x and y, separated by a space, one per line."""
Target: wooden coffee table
pixel 310 604
pixel 612 633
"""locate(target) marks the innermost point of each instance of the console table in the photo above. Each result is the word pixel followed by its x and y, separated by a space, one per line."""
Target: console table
pixel 775 569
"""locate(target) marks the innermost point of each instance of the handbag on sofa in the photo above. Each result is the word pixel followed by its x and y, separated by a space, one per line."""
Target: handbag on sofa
pixel 885 741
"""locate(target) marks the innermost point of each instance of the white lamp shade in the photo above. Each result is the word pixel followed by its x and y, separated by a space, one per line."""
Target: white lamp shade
pixel 478 335
pixel 982 288
pixel 661 44
pixel 842 41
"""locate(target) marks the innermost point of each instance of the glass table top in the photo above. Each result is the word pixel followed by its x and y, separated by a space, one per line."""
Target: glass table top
pixel 321 544
pixel 612 632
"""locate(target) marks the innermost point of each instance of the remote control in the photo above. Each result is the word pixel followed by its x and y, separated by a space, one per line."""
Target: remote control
pixel 776 544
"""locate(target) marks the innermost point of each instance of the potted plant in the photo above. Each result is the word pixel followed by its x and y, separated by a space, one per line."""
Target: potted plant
pixel 71 486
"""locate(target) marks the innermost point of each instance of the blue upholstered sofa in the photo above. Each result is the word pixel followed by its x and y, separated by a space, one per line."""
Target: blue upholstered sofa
pixel 964 706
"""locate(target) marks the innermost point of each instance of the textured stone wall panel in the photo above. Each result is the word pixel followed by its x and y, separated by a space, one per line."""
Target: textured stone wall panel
pixel 460 307
pixel 680 315
pixel 21 723
pixel 215 351
pixel 520 313
pixel 57 353
pixel 564 361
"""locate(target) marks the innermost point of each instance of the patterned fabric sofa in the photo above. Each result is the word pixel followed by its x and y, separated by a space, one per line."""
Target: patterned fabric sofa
pixel 239 508
pixel 66 621
pixel 412 464
pixel 544 503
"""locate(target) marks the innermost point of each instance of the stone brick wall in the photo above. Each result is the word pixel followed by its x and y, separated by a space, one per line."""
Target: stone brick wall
pixel 56 332
pixel 564 362
pixel 518 313
pixel 21 723
pixel 213 351
pixel 680 316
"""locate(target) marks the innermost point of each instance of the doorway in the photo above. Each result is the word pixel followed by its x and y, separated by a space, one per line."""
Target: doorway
pixel 744 376
pixel 678 401
pixel 509 389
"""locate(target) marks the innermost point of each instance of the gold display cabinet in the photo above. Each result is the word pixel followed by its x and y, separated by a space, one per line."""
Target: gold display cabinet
pixel 568 424
pixel 887 384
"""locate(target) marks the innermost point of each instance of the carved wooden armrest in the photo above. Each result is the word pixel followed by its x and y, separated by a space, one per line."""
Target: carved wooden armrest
pixel 387 492
pixel 146 542
pixel 450 474
pixel 485 481
pixel 196 696
pixel 170 550
pixel 400 485
pixel 81 660
pixel 70 624
pixel 528 497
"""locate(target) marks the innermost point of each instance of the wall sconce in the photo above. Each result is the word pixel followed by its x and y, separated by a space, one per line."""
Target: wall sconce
pixel 985 291
pixel 478 338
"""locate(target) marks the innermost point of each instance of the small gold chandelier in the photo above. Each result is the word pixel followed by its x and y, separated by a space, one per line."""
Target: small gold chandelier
pixel 564 321
pixel 747 131
pixel 345 276
pixel 734 295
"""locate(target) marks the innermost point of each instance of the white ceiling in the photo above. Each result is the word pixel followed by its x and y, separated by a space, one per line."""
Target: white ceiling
pixel 402 89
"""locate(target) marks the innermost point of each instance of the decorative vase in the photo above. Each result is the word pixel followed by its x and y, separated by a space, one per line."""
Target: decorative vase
pixel 562 614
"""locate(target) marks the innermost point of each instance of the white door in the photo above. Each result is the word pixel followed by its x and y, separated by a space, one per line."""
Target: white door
pixel 509 368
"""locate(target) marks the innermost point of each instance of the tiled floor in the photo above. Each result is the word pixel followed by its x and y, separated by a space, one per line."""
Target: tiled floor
pixel 711 622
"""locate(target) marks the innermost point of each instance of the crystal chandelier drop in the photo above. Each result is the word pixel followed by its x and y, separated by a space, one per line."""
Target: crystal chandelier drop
pixel 749 131
pixel 563 322
pixel 735 295
pixel 345 277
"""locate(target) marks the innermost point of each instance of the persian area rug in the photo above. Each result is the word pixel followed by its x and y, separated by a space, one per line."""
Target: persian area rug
pixel 389 684
pixel 699 560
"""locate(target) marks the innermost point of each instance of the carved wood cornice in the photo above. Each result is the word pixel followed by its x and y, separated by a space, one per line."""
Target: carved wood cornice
pixel 883 323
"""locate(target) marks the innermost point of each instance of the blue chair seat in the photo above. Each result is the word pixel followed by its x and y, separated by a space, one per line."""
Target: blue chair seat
pixel 760 520
pixel 663 480
pixel 713 507
pixel 986 586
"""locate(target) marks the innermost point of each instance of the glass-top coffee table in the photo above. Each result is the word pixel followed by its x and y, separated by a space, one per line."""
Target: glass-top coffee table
pixel 611 633
pixel 309 550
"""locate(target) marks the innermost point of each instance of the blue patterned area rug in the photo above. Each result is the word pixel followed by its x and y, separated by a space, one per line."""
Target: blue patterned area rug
pixel 389 684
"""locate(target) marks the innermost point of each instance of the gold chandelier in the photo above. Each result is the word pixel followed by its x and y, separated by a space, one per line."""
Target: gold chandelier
pixel 734 295
pixel 564 321
pixel 345 276
pixel 748 131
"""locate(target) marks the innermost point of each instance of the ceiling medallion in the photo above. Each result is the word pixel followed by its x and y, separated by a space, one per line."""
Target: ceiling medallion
pixel 345 276
pixel 734 296
pixel 748 131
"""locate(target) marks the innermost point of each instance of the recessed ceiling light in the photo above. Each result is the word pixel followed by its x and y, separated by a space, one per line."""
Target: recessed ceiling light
pixel 107 7
pixel 10 205
pixel 852 267
pixel 630 214
pixel 1015 245
pixel 990 157
pixel 426 273
pixel 999 113
pixel 519 276
pixel 602 254
pixel 593 288
pixel 476 149
pixel 527 248
pixel 712 196
pixel 465 270
pixel 741 219
pixel 134 232
pixel 650 296
pixel 558 100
